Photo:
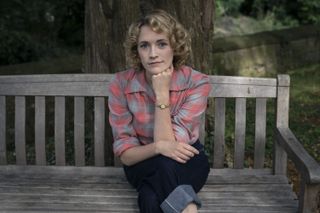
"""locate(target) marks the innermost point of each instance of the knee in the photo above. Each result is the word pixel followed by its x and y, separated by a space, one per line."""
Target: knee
pixel 165 165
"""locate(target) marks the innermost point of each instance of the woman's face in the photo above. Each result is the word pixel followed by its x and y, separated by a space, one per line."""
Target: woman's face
pixel 154 50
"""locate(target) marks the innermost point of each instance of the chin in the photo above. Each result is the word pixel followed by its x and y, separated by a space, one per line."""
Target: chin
pixel 156 70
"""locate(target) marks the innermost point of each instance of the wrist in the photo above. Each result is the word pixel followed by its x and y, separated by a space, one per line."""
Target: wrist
pixel 156 147
pixel 162 98
pixel 163 106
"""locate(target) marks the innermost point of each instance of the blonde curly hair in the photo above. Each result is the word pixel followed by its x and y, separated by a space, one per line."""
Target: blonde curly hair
pixel 160 22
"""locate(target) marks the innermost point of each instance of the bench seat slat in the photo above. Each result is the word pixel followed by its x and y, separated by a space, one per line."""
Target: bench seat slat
pixel 40 123
pixel 47 188
pixel 126 208
pixel 20 130
pixel 3 149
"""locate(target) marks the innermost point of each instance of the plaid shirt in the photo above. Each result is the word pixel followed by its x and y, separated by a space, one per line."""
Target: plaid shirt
pixel 132 106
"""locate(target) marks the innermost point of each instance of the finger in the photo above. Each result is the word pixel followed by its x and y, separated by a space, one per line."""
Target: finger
pixel 191 149
pixel 188 153
pixel 180 160
pixel 183 156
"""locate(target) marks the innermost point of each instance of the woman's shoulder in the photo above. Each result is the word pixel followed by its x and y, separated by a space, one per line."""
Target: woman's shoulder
pixel 192 75
pixel 121 79
pixel 125 75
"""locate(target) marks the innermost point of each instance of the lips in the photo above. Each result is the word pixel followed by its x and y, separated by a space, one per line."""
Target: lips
pixel 155 63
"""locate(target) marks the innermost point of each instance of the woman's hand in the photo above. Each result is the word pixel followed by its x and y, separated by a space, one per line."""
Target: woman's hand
pixel 180 152
pixel 161 84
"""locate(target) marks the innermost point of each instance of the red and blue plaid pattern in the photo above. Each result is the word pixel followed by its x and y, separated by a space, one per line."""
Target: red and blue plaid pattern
pixel 132 105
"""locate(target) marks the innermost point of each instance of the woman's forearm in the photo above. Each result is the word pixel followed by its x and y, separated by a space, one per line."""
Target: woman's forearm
pixel 162 125
pixel 162 118
pixel 138 153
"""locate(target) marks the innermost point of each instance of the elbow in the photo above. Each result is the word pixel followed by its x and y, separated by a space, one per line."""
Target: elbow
pixel 125 160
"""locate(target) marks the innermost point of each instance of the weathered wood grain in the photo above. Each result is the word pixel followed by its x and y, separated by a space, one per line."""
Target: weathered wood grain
pixel 3 146
pixel 59 130
pixel 20 130
pixel 80 188
pixel 40 130
pixel 240 133
pixel 219 132
pixel 260 133
pixel 79 131
pixel 87 189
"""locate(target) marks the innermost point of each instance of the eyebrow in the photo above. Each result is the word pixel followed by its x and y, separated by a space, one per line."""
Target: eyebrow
pixel 157 41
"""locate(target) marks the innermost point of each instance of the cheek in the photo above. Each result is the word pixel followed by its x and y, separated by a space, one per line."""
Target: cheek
pixel 142 57
pixel 170 54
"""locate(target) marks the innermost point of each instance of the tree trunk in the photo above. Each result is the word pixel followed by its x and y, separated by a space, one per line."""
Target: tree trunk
pixel 107 22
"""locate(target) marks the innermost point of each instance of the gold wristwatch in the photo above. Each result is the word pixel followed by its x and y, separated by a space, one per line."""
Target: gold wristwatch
pixel 163 106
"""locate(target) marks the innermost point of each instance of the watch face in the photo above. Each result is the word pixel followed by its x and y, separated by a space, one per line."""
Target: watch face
pixel 162 106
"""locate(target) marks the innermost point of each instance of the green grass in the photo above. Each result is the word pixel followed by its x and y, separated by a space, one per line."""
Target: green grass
pixel 305 107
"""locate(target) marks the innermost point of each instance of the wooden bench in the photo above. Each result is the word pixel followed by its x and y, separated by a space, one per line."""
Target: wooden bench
pixel 76 185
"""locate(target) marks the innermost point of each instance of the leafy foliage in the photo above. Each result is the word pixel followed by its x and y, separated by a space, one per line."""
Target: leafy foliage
pixel 33 29
pixel 287 12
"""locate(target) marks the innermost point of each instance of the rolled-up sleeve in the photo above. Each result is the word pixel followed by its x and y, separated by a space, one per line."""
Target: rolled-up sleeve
pixel 120 119
pixel 186 123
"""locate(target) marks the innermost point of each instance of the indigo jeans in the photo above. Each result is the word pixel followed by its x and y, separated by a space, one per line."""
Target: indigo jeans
pixel 165 185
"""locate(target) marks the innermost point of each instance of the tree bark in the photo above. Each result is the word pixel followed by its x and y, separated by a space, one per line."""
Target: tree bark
pixel 107 22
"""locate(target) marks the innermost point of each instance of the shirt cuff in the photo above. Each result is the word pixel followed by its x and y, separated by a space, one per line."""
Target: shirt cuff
pixel 179 198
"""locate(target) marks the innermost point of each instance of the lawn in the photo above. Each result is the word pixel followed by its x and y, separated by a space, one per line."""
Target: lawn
pixel 305 107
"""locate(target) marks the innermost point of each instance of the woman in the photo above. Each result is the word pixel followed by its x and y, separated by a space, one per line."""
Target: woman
pixel 155 110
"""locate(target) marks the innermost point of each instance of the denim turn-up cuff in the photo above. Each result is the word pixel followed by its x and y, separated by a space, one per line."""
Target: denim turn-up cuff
pixel 179 198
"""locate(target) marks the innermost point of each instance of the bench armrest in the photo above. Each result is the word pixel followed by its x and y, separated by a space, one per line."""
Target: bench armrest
pixel 307 166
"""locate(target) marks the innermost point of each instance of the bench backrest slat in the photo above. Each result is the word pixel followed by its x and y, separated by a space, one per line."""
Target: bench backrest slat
pixel 40 130
pixel 233 87
pixel 56 85
pixel 260 132
pixel 20 130
pixel 240 132
pixel 3 147
pixel 219 132
pixel 79 131
pixel 59 130
pixel 99 130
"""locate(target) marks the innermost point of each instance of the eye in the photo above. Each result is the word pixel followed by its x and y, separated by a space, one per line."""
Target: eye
pixel 162 44
pixel 143 45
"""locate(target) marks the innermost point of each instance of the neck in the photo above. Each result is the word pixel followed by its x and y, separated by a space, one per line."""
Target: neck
pixel 148 78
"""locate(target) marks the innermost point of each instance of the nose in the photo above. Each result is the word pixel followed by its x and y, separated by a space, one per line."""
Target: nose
pixel 153 52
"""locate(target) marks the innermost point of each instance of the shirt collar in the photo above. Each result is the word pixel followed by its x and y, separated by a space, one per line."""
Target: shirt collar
pixel 138 82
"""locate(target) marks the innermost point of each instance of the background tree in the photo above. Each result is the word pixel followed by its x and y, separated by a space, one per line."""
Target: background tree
pixel 107 21
pixel 35 30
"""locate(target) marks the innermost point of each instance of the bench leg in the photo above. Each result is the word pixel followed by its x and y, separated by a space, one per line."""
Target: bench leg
pixel 309 199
